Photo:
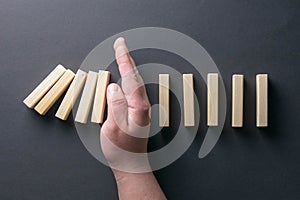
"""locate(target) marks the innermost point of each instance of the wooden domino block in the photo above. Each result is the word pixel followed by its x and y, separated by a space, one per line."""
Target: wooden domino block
pixel 54 93
pixel 100 97
pixel 237 100
pixel 164 85
pixel 35 96
pixel 212 99
pixel 87 98
pixel 71 96
pixel 262 100
pixel 188 99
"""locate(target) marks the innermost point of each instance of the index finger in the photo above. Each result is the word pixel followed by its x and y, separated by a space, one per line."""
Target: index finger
pixel 132 83
pixel 123 58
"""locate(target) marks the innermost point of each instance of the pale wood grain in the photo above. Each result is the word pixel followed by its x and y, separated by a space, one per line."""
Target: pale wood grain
pixel 35 96
pixel 86 98
pixel 71 96
pixel 188 99
pixel 262 100
pixel 164 86
pixel 237 100
pixel 212 99
pixel 100 97
pixel 54 93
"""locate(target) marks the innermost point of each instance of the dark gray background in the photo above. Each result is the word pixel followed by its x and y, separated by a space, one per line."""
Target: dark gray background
pixel 43 158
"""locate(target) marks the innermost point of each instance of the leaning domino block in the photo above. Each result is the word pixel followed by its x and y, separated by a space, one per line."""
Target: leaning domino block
pixel 86 98
pixel 212 99
pixel 164 100
pixel 100 97
pixel 237 100
pixel 188 100
pixel 35 96
pixel 54 93
pixel 72 94
pixel 262 100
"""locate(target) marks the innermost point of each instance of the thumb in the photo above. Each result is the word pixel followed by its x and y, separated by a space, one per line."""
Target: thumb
pixel 117 106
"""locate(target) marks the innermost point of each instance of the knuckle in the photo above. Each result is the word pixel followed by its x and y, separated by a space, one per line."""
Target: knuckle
pixel 119 101
pixel 107 129
pixel 143 107
pixel 124 63
pixel 110 127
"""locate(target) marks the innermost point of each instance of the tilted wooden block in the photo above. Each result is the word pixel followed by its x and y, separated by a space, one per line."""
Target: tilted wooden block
pixel 87 98
pixel 100 97
pixel 188 99
pixel 71 96
pixel 237 100
pixel 262 100
pixel 54 93
pixel 212 99
pixel 35 96
pixel 164 86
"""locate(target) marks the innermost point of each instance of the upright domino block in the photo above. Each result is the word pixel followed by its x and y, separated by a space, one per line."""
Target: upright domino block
pixel 212 99
pixel 72 94
pixel 100 97
pixel 164 86
pixel 86 98
pixel 262 100
pixel 35 96
pixel 188 99
pixel 237 100
pixel 54 93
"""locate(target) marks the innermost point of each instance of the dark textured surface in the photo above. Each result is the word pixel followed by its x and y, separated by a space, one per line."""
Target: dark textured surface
pixel 43 158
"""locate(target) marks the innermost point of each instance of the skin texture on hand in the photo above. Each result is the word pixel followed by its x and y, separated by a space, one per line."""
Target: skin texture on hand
pixel 124 135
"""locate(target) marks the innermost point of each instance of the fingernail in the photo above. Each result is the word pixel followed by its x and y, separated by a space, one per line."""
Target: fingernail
pixel 120 47
pixel 113 88
pixel 118 42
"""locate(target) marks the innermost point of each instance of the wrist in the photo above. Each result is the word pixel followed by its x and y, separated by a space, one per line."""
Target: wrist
pixel 121 176
pixel 138 186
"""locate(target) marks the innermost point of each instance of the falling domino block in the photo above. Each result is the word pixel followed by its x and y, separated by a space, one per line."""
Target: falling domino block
pixel 262 100
pixel 54 93
pixel 86 98
pixel 35 96
pixel 212 99
pixel 164 100
pixel 72 94
pixel 100 97
pixel 237 100
pixel 188 99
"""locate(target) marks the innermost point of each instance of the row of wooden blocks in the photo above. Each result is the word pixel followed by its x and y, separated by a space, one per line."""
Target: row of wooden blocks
pixel 212 100
pixel 60 79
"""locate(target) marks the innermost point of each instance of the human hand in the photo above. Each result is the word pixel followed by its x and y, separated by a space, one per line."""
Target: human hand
pixel 124 135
